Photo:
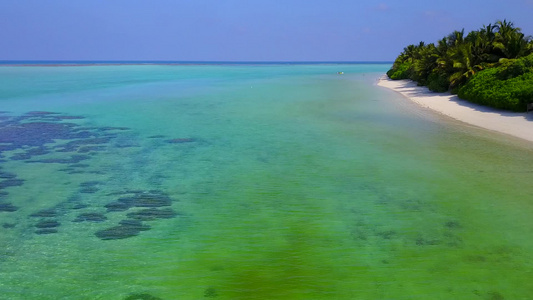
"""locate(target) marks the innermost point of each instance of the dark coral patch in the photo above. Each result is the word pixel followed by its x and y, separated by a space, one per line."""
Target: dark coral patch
pixel 37 151
pixel 116 193
pixel 116 206
pixel 90 183
pixel 90 217
pixel 147 200
pixel 40 113
pixel 131 192
pixel 129 201
pixel 11 182
pixel 151 214
pixel 34 133
pixel 387 235
pixel 426 242
pixel 210 293
pixel 139 199
pixel 453 225
pixel 9 225
pixel 45 213
pixel 79 166
pixel 130 222
pixel 152 200
pixel 89 187
pixel 89 190
pixel 181 140
pixel 69 118
pixel 80 206
pixel 117 233
pixel 34 151
pixel 127 228
pixel 142 296
pixel 20 156
pixel 75 172
pixel 97 172
pixel 8 207
pixel 113 128
pixel 135 223
pixel 47 224
pixel 46 231
pixel 76 158
pixel 7 175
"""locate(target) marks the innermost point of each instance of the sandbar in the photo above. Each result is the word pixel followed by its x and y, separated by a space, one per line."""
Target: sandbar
pixel 515 124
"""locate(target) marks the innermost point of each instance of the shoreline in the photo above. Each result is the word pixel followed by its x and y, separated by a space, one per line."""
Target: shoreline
pixel 519 125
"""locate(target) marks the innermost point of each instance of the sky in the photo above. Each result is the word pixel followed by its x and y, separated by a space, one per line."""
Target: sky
pixel 239 30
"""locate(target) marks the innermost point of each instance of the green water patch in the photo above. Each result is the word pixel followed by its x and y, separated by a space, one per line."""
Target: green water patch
pixel 301 228
pixel 405 221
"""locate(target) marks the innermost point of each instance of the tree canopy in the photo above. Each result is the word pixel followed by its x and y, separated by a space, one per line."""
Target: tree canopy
pixel 456 60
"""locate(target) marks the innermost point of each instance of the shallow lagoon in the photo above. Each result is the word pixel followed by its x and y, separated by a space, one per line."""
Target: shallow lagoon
pixel 252 182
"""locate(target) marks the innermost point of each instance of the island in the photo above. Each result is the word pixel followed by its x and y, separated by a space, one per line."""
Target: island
pixel 492 66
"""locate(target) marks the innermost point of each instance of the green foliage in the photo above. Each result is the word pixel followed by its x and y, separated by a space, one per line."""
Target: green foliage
pixel 514 68
pixel 438 82
pixel 458 59
pixel 508 86
pixel 403 71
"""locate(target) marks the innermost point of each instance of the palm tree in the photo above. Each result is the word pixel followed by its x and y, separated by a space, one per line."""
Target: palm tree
pixel 465 64
pixel 488 32
pixel 456 38
pixel 506 29
pixel 444 62
pixel 409 52
pixel 483 42
pixel 510 41
pixel 426 63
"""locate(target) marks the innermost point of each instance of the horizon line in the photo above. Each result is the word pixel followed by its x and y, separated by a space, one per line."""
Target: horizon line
pixel 45 62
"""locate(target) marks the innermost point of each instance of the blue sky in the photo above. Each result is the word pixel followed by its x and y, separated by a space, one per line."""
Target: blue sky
pixel 238 30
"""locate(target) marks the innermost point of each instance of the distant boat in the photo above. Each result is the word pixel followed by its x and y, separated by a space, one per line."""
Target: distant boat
pixel 340 73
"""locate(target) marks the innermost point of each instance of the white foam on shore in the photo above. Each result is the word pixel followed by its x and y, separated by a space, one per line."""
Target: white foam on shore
pixel 516 124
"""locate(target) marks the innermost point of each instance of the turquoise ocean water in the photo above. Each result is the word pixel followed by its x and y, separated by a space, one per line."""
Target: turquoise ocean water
pixel 252 182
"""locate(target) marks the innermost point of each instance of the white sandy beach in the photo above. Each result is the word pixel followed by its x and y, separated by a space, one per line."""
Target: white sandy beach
pixel 516 124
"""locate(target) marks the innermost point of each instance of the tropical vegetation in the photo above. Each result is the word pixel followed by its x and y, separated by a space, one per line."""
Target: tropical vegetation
pixel 491 66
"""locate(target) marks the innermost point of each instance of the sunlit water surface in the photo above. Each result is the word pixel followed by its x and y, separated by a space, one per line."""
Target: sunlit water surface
pixel 252 182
